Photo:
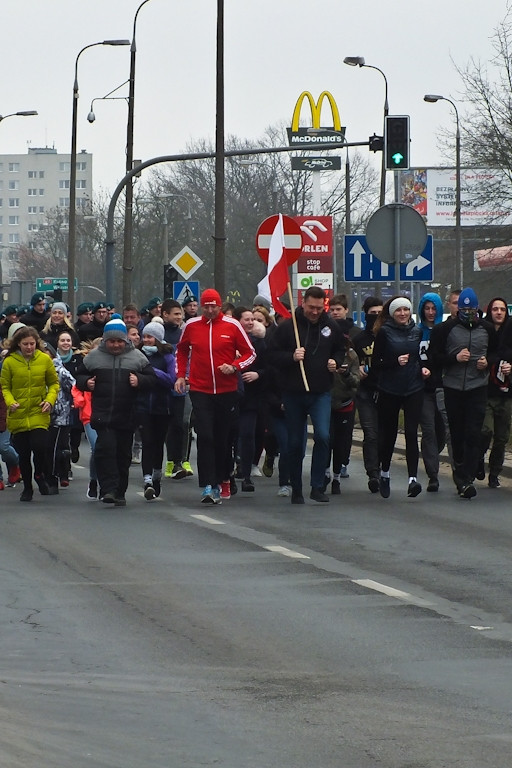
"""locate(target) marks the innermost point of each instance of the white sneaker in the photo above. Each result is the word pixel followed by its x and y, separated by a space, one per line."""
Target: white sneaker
pixel 256 471
pixel 284 490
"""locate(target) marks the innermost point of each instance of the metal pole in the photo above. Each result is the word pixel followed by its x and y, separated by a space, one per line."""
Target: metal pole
pixel 220 223
pixel 72 177
pixel 128 209
pixel 110 239
pixel 458 229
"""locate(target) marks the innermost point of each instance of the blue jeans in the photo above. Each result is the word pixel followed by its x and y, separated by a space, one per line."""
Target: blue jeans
pixel 297 408
pixel 7 452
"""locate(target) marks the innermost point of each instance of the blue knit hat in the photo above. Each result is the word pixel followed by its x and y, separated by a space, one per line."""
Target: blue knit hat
pixel 468 299
pixel 115 329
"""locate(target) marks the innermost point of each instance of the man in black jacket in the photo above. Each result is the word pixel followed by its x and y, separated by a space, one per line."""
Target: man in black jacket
pixel 463 348
pixel 320 351
pixel 38 314
pixel 114 372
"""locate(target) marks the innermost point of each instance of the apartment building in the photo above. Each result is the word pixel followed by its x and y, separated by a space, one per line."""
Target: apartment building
pixel 31 185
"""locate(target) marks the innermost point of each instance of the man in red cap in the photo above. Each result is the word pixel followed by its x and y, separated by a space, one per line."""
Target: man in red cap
pixel 216 348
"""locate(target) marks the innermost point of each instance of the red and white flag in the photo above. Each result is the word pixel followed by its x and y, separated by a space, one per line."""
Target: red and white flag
pixel 276 280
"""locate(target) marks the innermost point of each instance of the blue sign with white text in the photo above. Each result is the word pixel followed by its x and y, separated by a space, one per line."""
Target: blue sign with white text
pixel 361 266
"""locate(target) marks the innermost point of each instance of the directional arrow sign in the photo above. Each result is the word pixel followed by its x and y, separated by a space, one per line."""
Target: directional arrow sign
pixel 362 266
pixel 416 265
pixel 357 252
pixel 397 158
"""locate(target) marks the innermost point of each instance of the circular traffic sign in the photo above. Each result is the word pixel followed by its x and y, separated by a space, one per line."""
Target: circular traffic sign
pixel 396 227
pixel 292 238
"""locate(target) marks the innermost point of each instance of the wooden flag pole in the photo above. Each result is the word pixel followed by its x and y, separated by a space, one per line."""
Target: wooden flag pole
pixel 297 339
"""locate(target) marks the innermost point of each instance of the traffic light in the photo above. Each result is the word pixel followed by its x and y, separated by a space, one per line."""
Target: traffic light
pixel 170 276
pixel 396 142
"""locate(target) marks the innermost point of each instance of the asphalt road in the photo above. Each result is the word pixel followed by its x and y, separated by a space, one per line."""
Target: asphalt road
pixel 365 633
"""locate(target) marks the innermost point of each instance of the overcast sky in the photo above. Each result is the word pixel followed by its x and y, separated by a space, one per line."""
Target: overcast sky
pixel 274 49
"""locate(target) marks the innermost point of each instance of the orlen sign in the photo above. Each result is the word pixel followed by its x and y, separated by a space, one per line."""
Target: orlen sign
pixel 317 248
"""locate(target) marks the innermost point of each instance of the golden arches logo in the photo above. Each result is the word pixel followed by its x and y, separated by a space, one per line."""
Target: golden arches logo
pixel 316 110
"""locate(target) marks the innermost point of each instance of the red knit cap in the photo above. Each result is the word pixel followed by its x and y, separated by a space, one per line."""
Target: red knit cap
pixel 211 296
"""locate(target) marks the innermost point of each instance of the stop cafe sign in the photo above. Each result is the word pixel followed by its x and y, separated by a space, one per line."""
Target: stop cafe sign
pixel 292 238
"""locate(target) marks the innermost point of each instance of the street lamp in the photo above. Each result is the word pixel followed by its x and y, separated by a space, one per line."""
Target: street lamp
pixel 72 175
pixel 128 199
pixel 91 117
pixel 431 98
pixel 358 61
pixel 24 113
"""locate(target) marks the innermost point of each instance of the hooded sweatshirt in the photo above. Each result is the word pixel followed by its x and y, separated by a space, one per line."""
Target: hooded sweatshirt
pixel 433 381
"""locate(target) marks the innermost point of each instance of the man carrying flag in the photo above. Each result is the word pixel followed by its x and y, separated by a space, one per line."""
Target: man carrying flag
pixel 319 351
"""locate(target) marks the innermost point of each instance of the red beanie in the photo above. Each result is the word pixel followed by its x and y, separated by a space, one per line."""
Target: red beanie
pixel 210 296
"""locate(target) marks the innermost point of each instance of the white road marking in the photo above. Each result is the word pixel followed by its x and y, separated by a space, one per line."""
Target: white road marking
pixel 480 629
pixel 207 519
pixel 370 584
pixel 288 552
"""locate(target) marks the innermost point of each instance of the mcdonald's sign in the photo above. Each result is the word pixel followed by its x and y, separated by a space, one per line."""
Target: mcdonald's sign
pixel 327 135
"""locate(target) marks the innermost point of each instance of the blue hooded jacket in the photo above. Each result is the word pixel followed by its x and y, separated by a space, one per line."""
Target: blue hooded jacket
pixel 425 330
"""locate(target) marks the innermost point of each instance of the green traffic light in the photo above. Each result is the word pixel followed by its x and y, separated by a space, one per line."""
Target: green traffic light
pixel 397 158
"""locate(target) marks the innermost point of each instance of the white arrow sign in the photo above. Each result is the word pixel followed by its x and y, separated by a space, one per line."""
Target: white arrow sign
pixel 357 251
pixel 418 263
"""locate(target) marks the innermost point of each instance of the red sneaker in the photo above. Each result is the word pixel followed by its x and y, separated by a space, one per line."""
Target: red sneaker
pixel 225 491
pixel 64 483
pixel 2 486
pixel 14 475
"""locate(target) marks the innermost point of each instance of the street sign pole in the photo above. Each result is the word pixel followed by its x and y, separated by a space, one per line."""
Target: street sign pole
pixel 397 249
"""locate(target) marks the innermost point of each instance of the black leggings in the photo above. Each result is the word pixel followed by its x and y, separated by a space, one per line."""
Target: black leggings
pixel 27 443
pixel 388 409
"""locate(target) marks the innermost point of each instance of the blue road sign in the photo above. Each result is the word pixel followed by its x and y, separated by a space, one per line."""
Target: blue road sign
pixel 183 288
pixel 361 266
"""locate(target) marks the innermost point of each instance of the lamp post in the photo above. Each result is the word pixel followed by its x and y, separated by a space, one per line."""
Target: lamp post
pixel 128 205
pixel 358 61
pixel 431 98
pixel 72 176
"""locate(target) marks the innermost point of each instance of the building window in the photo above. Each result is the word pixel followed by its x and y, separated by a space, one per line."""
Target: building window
pixel 64 184
pixel 32 174
pixel 14 167
pixel 1 167
pixel 14 237
pixel 32 245
pixel 64 202
pixel 1 220
pixel 1 238
pixel 65 167
pixel 41 174
pixel 41 209
pixel 81 166
pixel 32 209
pixel 82 202
pixel 1 202
pixel 14 221
pixel 32 192
pixel 14 202
pixel 14 185
pixel 41 192
pixel 1 185
pixel 81 184
pixel 33 227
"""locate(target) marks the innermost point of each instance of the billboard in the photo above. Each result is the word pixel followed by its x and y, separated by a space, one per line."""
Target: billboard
pixel 432 192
